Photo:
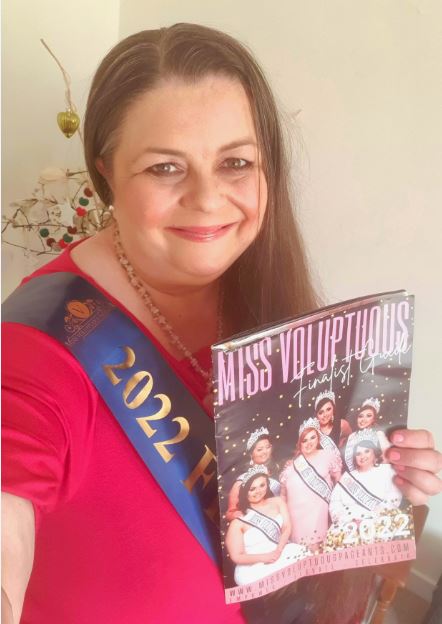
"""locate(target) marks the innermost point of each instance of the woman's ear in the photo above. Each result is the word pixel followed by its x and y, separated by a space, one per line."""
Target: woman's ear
pixel 102 169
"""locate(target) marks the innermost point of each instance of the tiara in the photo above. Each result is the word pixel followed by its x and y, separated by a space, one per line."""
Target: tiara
pixel 310 423
pixel 328 394
pixel 257 469
pixel 255 435
pixel 365 435
pixel 372 402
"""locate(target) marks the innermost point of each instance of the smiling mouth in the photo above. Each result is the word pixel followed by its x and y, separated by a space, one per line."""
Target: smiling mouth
pixel 201 234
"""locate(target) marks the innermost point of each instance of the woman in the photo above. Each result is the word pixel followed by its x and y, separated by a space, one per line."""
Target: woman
pixel 182 137
pixel 337 430
pixel 259 448
pixel 366 420
pixel 369 489
pixel 257 541
pixel 306 484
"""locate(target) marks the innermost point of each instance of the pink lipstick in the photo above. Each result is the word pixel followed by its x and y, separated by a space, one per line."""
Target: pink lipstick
pixel 201 234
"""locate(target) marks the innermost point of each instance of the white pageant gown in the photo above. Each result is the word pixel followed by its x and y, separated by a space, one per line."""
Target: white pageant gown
pixel 256 542
pixel 377 481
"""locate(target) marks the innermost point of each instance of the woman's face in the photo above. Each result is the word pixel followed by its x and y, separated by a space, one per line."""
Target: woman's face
pixel 310 442
pixel 189 189
pixel 325 414
pixel 257 490
pixel 365 458
pixel 262 452
pixel 366 418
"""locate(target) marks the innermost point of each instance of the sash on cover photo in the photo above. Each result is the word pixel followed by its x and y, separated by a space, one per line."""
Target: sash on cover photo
pixel 312 478
pixel 358 492
pixel 263 523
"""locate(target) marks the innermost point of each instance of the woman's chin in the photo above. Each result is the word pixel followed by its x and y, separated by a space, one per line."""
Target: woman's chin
pixel 205 270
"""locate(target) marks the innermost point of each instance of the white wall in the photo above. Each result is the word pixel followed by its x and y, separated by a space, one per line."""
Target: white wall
pixel 366 77
pixel 368 158
pixel 79 34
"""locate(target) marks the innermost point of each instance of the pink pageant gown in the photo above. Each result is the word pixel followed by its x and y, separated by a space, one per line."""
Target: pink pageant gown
pixel 308 511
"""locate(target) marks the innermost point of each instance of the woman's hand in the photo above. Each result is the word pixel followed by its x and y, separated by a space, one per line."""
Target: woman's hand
pixel 271 557
pixel 417 463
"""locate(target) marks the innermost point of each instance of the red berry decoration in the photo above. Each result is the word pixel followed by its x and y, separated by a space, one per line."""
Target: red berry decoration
pixel 50 242
pixel 81 211
pixel 87 192
pixel 61 243
pixel 72 229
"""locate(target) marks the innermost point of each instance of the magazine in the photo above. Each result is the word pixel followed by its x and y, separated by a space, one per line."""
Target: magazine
pixel 303 413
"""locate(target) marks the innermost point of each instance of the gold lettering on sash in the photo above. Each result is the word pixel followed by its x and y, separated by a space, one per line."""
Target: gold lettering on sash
pixel 164 410
pixel 142 394
pixel 200 470
pixel 181 435
pixel 142 382
pixel 128 363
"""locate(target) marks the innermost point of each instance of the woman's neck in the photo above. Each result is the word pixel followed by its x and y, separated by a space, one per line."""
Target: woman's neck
pixel 311 454
pixel 193 311
pixel 259 506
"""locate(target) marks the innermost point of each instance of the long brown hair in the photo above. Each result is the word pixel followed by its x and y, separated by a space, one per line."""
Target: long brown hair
pixel 271 280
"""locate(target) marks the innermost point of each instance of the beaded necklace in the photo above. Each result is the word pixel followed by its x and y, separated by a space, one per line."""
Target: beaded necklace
pixel 158 317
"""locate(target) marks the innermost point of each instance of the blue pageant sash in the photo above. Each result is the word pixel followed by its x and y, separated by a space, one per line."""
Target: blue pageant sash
pixel 166 425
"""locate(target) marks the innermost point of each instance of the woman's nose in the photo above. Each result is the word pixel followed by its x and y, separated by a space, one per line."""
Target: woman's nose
pixel 203 193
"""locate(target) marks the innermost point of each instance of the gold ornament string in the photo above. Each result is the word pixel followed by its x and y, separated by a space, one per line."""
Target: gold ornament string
pixel 67 80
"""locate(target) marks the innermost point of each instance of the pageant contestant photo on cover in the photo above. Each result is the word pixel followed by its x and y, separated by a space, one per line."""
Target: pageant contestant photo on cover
pixel 302 414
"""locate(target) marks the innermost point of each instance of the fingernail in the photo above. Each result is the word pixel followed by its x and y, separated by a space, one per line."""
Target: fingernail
pixel 395 456
pixel 398 438
pixel 399 467
pixel 399 481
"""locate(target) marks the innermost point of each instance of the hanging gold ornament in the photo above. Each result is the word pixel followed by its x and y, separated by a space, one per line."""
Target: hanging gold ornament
pixel 68 122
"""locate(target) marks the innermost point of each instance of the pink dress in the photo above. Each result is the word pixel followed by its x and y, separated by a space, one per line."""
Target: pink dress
pixel 308 511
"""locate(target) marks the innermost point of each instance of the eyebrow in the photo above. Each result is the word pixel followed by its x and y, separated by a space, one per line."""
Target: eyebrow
pixel 173 152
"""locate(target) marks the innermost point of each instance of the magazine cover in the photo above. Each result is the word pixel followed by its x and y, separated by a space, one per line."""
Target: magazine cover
pixel 303 410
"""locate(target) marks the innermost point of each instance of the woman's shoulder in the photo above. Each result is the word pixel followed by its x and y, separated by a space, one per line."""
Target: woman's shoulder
pixel 277 501
pixel 43 382
pixel 287 468
pixel 237 524
pixel 35 357
pixel 345 427
pixel 48 409
pixel 61 263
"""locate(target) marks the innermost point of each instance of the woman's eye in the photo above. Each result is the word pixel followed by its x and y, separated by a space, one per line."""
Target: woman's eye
pixel 236 164
pixel 163 169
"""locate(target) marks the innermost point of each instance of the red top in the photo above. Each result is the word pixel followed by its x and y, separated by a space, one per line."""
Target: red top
pixel 110 548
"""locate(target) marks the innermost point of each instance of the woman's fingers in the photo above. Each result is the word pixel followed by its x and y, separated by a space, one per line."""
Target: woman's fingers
pixel 414 448
pixel 427 482
pixel 411 492
pixel 421 458
pixel 416 463
pixel 412 438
